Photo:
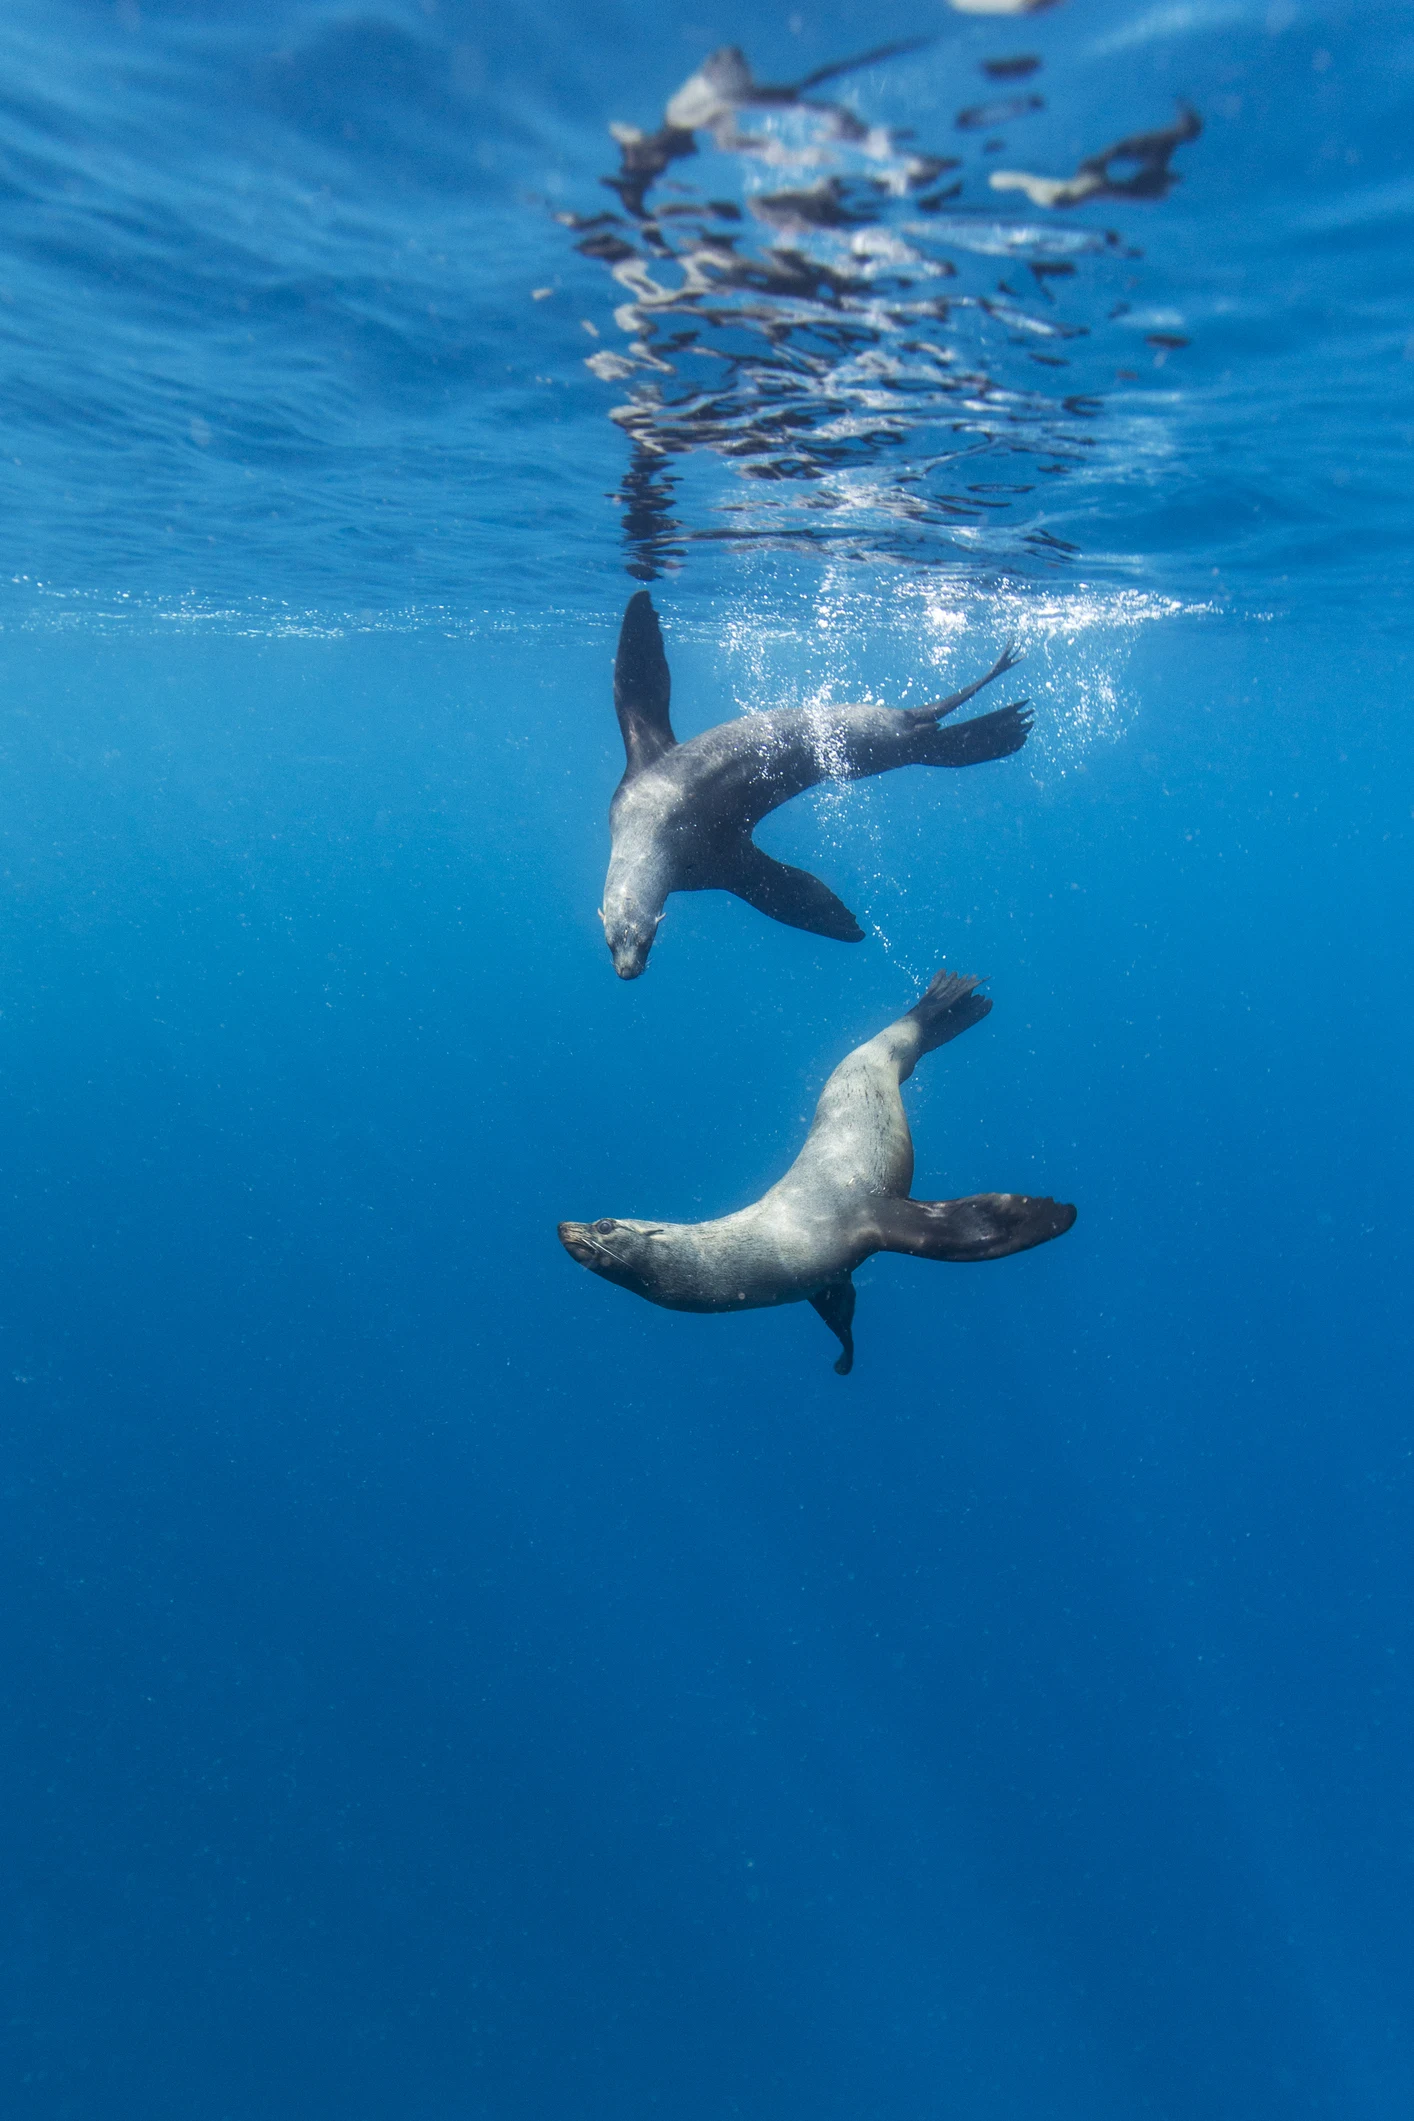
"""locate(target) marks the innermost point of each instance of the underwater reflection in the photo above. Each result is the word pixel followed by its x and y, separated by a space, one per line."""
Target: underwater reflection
pixel 826 321
pixel 1096 177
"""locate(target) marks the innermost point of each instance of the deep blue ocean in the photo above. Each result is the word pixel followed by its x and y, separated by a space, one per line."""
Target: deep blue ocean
pixel 437 1685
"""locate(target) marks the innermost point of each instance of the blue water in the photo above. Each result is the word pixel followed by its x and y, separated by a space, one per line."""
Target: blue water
pixel 436 1685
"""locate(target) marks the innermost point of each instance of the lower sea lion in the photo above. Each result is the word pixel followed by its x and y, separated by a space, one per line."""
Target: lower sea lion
pixel 844 1197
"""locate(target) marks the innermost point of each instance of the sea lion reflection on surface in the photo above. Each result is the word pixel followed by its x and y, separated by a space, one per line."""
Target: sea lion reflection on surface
pixel 710 100
pixel 844 1198
pixel 1145 155
pixel 683 814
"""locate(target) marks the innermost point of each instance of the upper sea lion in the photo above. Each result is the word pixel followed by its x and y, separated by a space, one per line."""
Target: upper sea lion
pixel 844 1197
pixel 682 816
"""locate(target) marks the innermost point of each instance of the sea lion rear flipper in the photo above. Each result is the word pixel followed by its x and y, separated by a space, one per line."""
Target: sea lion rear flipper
pixel 984 1226
pixel 986 736
pixel 935 711
pixel 836 1306
pixel 642 685
pixel 792 896
pixel 949 1006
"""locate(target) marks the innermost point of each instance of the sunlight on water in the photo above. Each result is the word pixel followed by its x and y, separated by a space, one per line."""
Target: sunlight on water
pixel 1074 642
pixel 1075 646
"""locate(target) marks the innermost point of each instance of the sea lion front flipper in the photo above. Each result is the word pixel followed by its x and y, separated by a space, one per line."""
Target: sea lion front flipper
pixel 984 1226
pixel 836 1306
pixel 792 896
pixel 642 685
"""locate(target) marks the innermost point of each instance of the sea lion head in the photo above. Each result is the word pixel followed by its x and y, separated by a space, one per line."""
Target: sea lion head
pixel 629 934
pixel 632 1254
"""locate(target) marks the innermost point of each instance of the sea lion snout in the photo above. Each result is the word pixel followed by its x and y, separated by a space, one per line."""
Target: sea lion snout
pixel 629 944
pixel 630 926
pixel 622 1252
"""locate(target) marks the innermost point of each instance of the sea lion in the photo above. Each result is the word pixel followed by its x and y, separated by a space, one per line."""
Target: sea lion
pixel 682 816
pixel 844 1197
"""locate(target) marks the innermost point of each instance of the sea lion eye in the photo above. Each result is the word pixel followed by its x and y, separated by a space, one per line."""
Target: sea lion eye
pixel 604 1228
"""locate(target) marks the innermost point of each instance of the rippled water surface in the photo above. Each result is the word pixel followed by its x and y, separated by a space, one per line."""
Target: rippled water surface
pixel 434 1685
pixel 334 305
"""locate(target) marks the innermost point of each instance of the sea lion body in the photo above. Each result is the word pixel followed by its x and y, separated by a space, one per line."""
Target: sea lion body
pixel 844 1198
pixel 682 816
pixel 814 1226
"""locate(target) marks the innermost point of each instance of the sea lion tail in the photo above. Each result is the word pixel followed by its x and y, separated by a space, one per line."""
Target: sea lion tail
pixel 950 1006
